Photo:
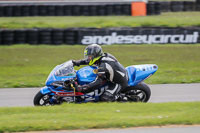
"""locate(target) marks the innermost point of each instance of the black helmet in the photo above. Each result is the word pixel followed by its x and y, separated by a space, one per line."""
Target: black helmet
pixel 95 51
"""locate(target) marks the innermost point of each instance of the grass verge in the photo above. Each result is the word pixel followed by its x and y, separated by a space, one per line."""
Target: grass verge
pixel 171 19
pixel 29 66
pixel 98 115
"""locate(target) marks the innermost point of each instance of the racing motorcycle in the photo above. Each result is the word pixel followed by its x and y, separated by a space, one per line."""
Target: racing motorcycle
pixel 62 83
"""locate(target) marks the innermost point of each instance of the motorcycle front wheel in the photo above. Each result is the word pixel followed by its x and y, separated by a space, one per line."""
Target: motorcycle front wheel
pixel 42 99
pixel 138 93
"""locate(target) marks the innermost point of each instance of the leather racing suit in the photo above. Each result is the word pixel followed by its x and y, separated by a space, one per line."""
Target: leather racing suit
pixel 109 70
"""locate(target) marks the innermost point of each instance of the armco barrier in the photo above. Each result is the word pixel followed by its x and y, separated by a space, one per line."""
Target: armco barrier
pixel 104 36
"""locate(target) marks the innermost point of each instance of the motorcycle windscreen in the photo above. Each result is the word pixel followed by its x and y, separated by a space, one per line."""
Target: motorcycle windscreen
pixel 86 75
pixel 61 72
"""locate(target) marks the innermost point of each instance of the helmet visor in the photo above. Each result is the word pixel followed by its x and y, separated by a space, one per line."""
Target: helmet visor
pixel 86 56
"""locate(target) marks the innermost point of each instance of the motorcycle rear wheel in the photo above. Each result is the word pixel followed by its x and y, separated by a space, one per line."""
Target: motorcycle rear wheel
pixel 138 93
pixel 42 100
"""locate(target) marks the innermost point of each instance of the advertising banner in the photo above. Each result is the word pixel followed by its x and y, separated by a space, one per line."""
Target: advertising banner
pixel 103 36
pixel 140 36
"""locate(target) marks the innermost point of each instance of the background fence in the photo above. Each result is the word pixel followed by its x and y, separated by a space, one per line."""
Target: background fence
pixel 139 35
pixel 92 9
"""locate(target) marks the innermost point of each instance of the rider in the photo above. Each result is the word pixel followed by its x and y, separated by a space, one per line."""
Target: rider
pixel 109 70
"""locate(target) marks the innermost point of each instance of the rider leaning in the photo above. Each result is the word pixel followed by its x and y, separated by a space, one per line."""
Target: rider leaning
pixel 109 70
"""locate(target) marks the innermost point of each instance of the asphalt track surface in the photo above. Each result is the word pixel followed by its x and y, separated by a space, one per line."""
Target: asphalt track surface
pixel 160 93
pixel 165 129
pixel 10 97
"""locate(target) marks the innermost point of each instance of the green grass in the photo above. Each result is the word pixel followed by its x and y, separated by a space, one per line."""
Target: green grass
pixel 98 115
pixel 175 19
pixel 29 66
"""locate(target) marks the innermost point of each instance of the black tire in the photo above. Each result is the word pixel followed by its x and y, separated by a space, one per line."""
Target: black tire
pixel 34 10
pixel 138 93
pixel 25 10
pixel 8 11
pixel 151 8
pixel 2 10
pixel 45 36
pixel 37 101
pixel 20 36
pixel 16 10
pixel 7 36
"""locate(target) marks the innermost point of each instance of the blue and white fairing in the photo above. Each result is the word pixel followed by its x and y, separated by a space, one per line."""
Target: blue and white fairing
pixel 138 73
pixel 86 75
pixel 64 72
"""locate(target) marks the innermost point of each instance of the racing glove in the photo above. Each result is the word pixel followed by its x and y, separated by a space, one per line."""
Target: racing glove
pixel 76 63
pixel 82 88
